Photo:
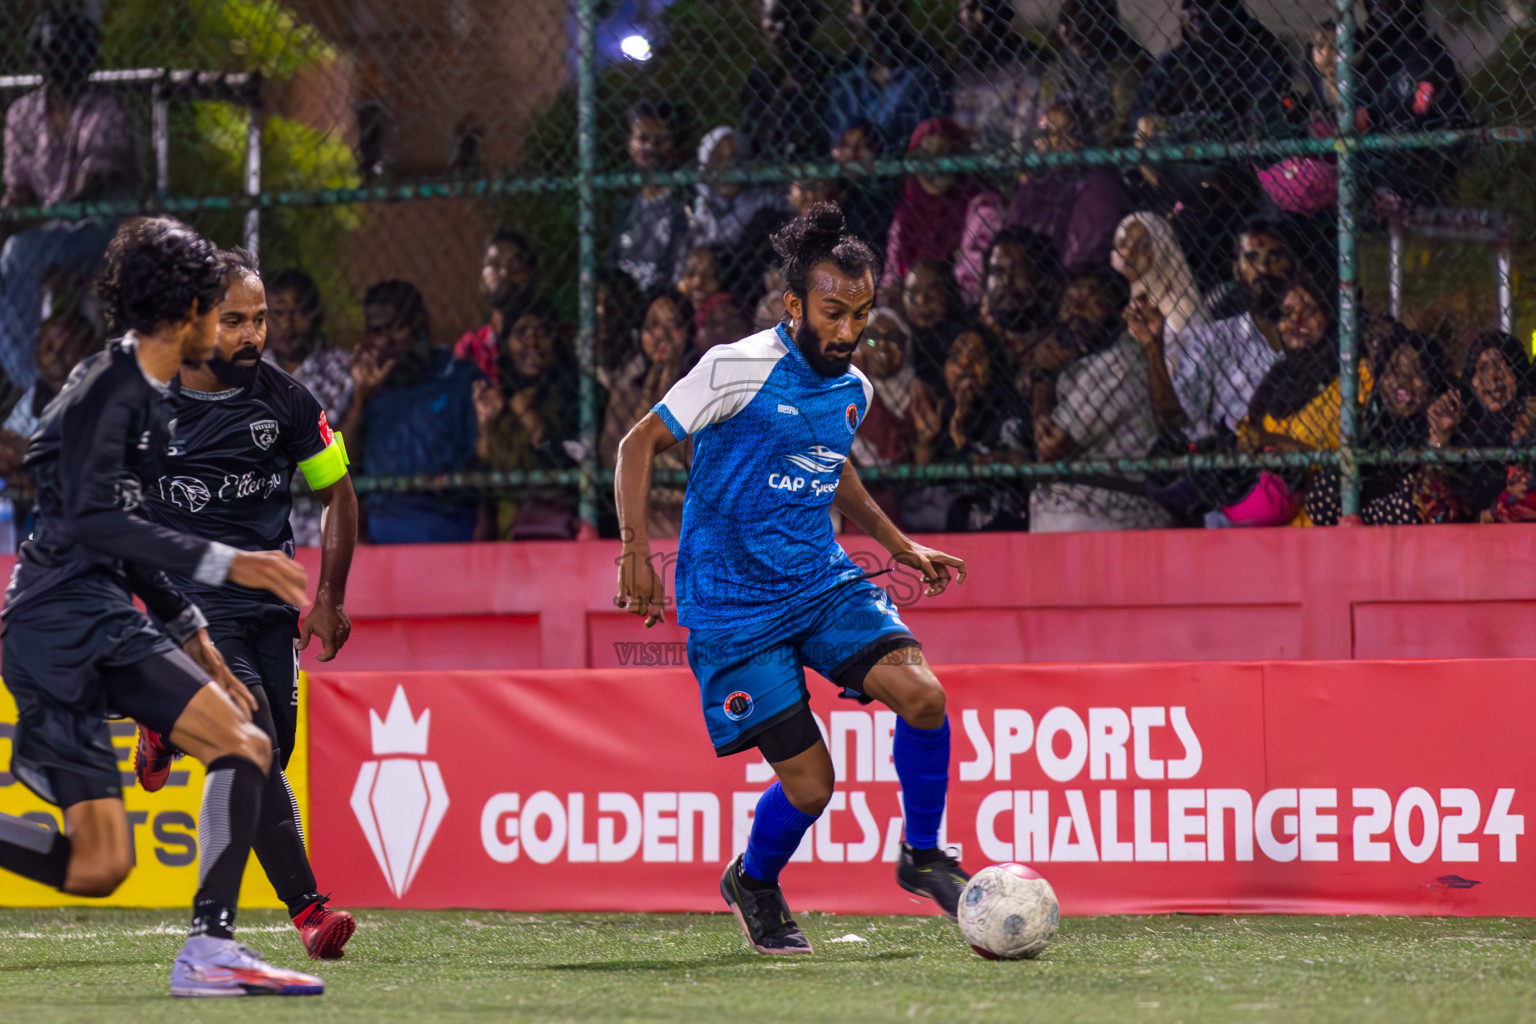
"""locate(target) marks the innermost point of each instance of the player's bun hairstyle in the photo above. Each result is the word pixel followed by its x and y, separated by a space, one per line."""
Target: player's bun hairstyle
pixel 817 238
pixel 157 269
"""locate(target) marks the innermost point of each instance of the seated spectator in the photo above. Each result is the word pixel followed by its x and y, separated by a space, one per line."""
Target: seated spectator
pixel 962 422
pixel 619 306
pixel 997 80
pixel 1213 368
pixel 1098 406
pixel 667 352
pixel 509 279
pixel 1227 78
pixel 1151 260
pixel 932 216
pixel 412 414
pixel 1077 208
pixel 1410 83
pixel 722 210
pixel 717 317
pixel 63 340
pixel 1494 408
pixel 65 142
pixel 931 308
pixel 1022 287
pixel 868 202
pixel 530 422
pixel 1205 203
pixel 296 342
pixel 890 80
pixel 885 436
pixel 1097 64
pixel 770 308
pixel 1410 376
pixel 784 101
pixel 651 229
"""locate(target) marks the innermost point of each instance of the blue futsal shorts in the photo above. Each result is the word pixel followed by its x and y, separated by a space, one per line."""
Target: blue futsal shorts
pixel 752 678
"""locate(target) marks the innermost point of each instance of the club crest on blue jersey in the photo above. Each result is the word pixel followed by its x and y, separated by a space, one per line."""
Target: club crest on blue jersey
pixel 852 415
pixel 264 433
pixel 738 706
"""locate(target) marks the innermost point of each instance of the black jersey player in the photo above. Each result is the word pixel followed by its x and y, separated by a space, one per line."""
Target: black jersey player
pixel 242 427
pixel 76 650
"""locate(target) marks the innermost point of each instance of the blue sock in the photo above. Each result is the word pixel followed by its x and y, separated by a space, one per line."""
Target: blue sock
pixel 922 765
pixel 777 828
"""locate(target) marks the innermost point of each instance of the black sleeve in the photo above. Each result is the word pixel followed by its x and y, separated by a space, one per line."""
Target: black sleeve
pixel 180 616
pixel 305 438
pixel 93 445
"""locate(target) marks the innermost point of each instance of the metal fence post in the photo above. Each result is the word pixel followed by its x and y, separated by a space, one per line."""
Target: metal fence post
pixel 586 222
pixel 1349 471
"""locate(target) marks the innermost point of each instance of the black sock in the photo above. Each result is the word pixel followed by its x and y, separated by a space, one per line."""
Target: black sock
pixel 33 851
pixel 279 844
pixel 225 828
pixel 756 884
pixel 922 857
pixel 302 903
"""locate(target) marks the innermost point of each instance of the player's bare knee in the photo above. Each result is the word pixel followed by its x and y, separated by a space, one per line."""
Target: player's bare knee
pixel 245 739
pixel 923 705
pixel 97 875
pixel 810 795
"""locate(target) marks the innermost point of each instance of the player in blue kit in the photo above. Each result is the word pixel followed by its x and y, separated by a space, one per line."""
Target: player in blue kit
pixel 765 589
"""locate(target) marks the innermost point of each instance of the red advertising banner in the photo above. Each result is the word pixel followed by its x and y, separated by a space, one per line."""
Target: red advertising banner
pixel 1308 787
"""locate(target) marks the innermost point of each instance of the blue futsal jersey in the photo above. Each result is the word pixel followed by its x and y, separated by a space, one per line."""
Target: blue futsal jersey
pixel 770 436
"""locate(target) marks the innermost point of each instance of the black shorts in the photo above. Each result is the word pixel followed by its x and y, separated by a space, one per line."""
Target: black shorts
pixel 71 661
pixel 261 655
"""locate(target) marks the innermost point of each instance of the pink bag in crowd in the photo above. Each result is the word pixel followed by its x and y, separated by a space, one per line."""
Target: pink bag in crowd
pixel 1302 184
pixel 1270 503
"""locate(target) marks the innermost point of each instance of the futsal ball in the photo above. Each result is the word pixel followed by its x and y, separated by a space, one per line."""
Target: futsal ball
pixel 1008 912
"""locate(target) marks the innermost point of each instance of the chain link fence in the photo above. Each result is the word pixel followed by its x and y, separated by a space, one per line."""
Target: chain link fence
pixel 1151 263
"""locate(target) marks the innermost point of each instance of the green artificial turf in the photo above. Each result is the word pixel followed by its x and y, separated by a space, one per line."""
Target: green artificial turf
pixel 113 966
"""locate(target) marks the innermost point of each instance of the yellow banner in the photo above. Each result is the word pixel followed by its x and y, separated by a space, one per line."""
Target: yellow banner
pixel 164 825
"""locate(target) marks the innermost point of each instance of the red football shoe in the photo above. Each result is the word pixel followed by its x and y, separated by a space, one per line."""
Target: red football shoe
pixel 325 932
pixel 152 758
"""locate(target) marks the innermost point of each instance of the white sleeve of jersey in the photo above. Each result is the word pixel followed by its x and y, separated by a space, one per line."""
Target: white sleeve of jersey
pixel 868 385
pixel 726 378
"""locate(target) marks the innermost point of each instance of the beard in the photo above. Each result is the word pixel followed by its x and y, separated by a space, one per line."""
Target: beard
pixel 1012 314
pixel 230 373
pixel 809 343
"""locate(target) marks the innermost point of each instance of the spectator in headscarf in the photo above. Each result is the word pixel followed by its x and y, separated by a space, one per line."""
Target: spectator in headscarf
pixel 1410 84
pixel 1150 258
pixel 1098 64
pixel 997 80
pixel 1493 408
pixel 891 79
pixel 885 357
pixel 784 101
pixel 722 210
pixel 1227 78
pixel 931 218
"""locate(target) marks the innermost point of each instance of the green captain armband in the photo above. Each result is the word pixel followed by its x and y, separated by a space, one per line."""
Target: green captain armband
pixel 329 466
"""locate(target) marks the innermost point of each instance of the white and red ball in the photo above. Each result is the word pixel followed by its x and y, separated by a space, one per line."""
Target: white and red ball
pixel 1008 912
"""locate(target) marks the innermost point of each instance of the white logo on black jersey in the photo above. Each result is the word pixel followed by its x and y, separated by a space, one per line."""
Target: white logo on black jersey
pixel 186 492
pixel 264 433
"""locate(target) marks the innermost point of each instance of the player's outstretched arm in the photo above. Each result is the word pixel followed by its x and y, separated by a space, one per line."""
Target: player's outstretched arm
pixel 640 588
pixel 328 619
pixel 854 502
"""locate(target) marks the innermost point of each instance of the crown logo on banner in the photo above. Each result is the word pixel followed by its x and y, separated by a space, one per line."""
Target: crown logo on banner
pixel 399 801
pixel 399 733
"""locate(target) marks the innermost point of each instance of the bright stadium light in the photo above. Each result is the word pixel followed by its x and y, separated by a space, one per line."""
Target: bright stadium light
pixel 636 47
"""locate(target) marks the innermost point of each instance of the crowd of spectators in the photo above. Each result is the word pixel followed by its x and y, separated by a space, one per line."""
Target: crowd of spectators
pixel 1063 314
